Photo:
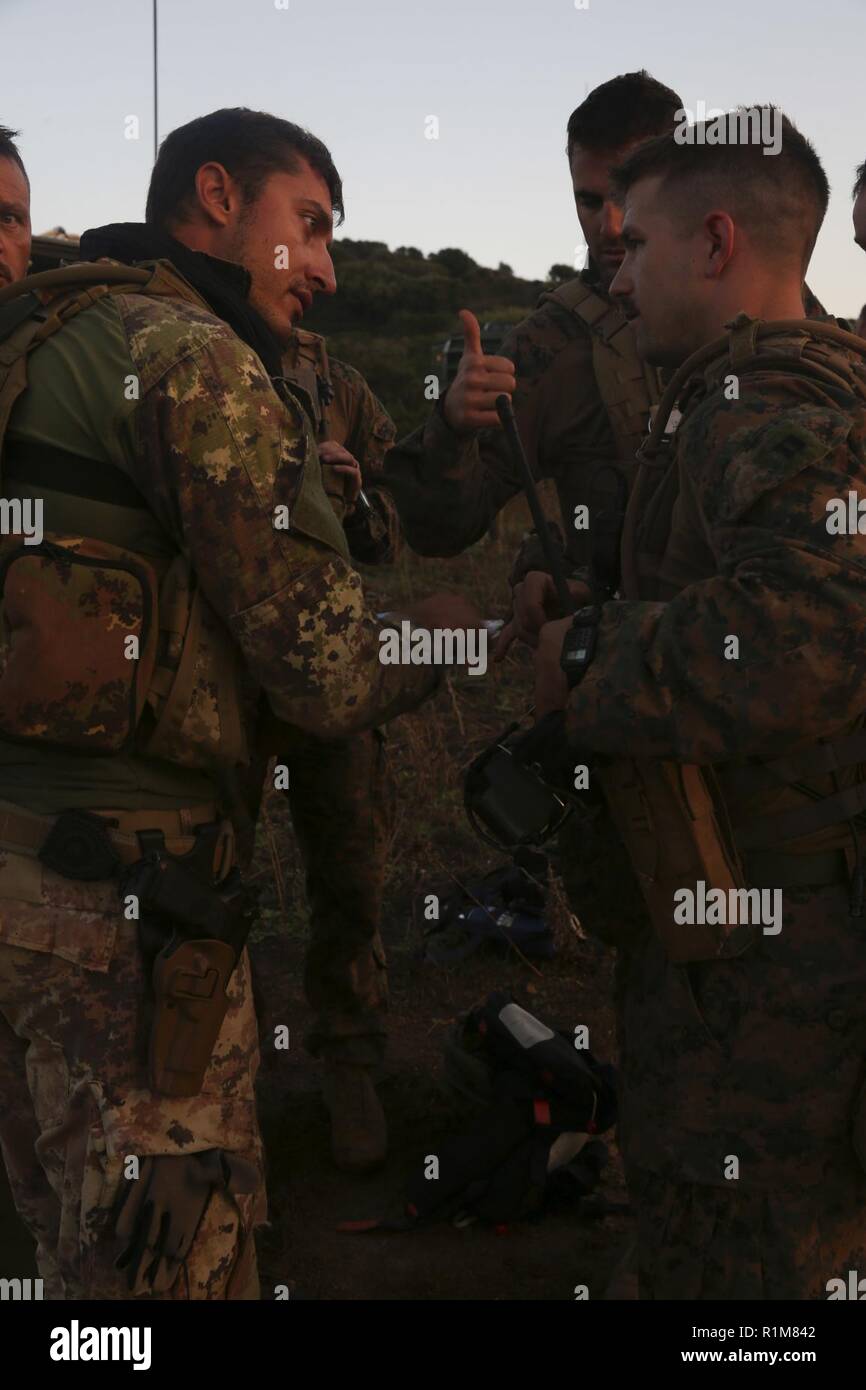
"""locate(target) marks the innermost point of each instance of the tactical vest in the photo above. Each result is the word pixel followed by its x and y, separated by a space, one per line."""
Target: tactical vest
pixel 749 824
pixel 123 648
pixel 306 364
pixel 629 388
pixel 629 391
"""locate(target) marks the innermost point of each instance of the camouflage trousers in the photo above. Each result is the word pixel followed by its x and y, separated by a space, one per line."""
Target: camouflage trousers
pixel 743 1108
pixel 74 1103
pixel 708 1243
pixel 342 808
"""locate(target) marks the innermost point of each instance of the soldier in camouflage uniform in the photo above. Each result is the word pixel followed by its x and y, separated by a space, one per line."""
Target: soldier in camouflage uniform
pixel 582 399
pixel 184 508
pixel 722 705
pixel 581 395
pixel 15 203
pixel 341 799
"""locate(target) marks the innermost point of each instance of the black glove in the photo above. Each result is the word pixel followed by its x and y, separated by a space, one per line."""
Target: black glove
pixel 159 1213
pixel 546 747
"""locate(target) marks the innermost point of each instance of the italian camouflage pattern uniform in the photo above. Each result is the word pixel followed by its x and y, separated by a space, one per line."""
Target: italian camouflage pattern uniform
pixel 340 793
pixel 213 451
pixel 758 1058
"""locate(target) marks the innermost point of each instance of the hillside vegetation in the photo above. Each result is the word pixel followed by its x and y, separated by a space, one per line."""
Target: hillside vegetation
pixel 394 309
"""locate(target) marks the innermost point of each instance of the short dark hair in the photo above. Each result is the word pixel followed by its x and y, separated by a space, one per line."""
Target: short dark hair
pixel 251 145
pixel 9 150
pixel 780 198
pixel 627 108
pixel 860 180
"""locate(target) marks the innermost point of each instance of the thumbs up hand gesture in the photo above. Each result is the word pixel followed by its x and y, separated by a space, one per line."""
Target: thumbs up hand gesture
pixel 469 400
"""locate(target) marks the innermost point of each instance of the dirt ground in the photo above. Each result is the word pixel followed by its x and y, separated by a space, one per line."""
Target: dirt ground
pixel 433 845
pixel 540 1259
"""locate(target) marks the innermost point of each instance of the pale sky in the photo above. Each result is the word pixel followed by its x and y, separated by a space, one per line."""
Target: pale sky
pixel 501 76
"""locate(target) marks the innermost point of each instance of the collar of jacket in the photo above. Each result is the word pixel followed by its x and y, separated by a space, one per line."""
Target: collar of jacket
pixel 223 285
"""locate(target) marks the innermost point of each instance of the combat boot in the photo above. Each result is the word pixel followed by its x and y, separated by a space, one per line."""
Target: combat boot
pixel 359 1137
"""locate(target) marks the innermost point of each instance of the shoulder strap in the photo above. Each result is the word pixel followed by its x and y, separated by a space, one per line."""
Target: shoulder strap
pixel 35 308
pixel 305 364
pixel 580 299
pixel 740 346
pixel 629 387
pixel 82 274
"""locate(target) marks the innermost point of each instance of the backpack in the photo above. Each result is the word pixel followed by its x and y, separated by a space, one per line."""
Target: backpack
pixel 122 652
pixel 533 1103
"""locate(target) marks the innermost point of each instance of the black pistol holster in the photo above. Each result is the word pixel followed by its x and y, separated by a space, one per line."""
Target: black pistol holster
pixel 192 930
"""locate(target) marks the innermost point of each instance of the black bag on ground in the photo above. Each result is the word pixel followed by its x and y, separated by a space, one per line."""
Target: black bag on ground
pixel 533 1102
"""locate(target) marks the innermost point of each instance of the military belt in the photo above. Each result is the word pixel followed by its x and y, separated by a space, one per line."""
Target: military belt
pixel 26 832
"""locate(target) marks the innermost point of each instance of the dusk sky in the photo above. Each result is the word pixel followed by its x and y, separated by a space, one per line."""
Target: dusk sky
pixel 501 76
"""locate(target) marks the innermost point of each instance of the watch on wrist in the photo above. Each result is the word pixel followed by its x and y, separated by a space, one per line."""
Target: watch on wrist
pixel 578 647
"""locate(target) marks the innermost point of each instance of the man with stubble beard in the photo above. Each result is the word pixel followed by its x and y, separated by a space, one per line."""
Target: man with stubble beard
pixel 720 704
pixel 14 211
pixel 581 396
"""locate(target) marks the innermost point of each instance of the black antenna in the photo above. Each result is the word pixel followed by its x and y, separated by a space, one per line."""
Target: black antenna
pixel 505 411
pixel 155 90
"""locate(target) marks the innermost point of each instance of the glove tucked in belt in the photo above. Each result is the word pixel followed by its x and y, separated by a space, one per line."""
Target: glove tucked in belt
pixel 91 845
pixel 160 1211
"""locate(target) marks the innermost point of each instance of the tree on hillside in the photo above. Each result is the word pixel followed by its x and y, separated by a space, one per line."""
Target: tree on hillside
pixel 393 311
pixel 455 261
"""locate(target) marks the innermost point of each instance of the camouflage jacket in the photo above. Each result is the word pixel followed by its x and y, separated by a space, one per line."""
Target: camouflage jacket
pixel 344 409
pixel 582 404
pixel 213 451
pixel 744 550
pixel 449 488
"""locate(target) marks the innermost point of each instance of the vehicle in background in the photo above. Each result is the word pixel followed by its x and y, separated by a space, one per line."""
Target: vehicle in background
pixel 447 356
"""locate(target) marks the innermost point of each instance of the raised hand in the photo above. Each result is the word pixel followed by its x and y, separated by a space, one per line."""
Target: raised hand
pixel 469 400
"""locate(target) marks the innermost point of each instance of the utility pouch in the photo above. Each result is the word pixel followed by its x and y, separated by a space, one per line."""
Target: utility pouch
pixel 195 690
pixel 78 643
pixel 192 931
pixel 667 818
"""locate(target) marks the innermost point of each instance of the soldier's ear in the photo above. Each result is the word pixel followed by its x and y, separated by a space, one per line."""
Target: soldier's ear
pixel 719 235
pixel 218 195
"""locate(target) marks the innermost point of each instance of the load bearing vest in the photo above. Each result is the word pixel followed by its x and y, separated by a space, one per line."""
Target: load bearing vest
pixel 677 820
pixel 105 648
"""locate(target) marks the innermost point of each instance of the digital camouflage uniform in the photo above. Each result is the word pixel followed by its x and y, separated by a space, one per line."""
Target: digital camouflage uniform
pixel 201 454
pixel 582 405
pixel 339 792
pixel 758 1055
